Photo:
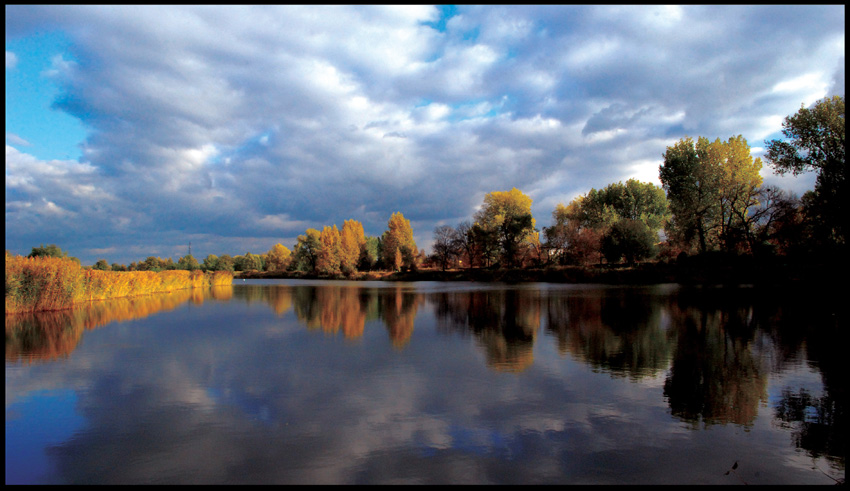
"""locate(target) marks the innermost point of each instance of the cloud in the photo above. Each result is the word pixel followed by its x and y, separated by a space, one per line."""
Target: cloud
pixel 256 122
pixel 11 60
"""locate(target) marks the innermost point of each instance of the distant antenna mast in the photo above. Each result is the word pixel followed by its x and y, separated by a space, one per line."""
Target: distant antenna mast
pixel 190 248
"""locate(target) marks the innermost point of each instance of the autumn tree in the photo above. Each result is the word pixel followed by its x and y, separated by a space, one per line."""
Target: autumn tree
pixel 352 242
pixel 814 141
pixel 328 261
pixel 505 218
pixel 279 257
pixel 399 248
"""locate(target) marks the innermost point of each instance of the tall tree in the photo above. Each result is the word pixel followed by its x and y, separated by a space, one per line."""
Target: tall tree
pixel 506 217
pixel 399 248
pixel 740 188
pixel 329 255
pixel 352 242
pixel 446 245
pixel 814 141
pixel 691 179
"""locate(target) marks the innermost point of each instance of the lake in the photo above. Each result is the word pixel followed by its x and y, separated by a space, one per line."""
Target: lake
pixel 335 382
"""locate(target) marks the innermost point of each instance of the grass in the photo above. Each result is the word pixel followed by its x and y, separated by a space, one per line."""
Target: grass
pixel 48 283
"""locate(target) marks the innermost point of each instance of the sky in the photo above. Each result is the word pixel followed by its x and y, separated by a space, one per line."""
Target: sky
pixel 136 131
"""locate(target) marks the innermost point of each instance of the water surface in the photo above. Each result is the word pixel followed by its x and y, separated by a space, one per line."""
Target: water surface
pixel 298 381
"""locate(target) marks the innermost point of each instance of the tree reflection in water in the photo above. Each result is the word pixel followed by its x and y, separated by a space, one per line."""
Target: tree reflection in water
pixel 44 336
pixel 714 348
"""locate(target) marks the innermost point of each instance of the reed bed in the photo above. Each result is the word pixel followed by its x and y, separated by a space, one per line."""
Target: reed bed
pixel 48 283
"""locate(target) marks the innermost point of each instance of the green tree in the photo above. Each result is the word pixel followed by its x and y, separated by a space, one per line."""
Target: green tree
pixel 692 182
pixel 225 263
pixel 51 250
pixel 188 263
pixel 369 254
pixel 210 263
pixel 629 238
pixel 814 141
pixel 101 265
pixel 307 250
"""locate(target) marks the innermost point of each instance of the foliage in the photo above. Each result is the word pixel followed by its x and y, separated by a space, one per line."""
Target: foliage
pixel 628 238
pixel 279 257
pixel 504 223
pixel 369 254
pixel 188 263
pixel 352 240
pixel 50 283
pixel 711 187
pixel 633 200
pixel 328 261
pixel 399 248
pixel 51 250
pixel 814 140
pixel 307 250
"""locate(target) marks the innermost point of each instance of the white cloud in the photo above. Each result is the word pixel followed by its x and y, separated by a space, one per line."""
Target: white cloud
pixel 251 122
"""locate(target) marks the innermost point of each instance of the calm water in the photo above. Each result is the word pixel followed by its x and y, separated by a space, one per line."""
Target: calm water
pixel 282 381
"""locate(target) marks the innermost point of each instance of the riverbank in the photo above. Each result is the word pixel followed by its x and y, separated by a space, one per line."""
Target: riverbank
pixel 690 271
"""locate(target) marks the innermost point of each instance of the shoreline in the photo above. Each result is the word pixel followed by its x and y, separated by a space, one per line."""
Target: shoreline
pixel 689 272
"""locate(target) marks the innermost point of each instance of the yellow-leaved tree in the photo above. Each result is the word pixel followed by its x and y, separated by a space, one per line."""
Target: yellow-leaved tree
pixel 399 248
pixel 279 257
pixel 352 241
pixel 505 219
pixel 329 253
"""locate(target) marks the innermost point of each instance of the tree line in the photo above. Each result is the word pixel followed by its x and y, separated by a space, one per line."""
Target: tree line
pixel 712 198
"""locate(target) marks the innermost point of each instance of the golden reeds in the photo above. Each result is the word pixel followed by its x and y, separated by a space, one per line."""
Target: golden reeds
pixel 49 283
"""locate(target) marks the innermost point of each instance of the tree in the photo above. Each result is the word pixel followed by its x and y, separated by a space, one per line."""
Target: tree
pixel 352 241
pixel 225 263
pixel 188 263
pixel 711 186
pixel 328 261
pixel 465 241
pixel 279 257
pixel 505 217
pixel 51 250
pixel 307 250
pixel 101 265
pixel 446 245
pixel 399 248
pixel 370 254
pixel 814 141
pixel 628 238
pixel 692 183
pixel 210 263
pixel 740 185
